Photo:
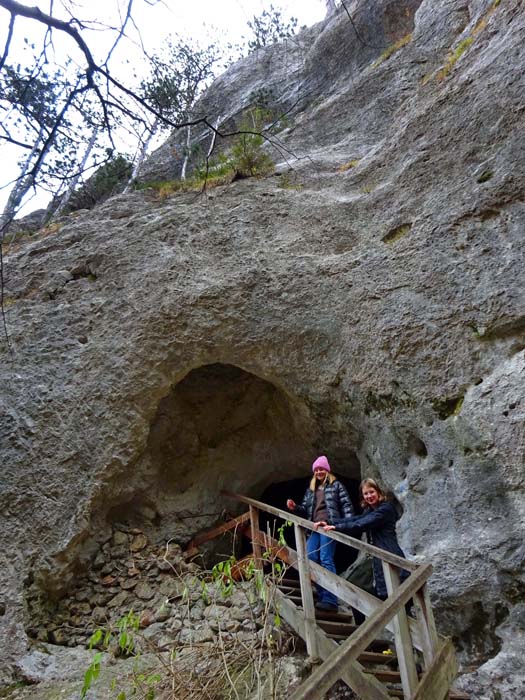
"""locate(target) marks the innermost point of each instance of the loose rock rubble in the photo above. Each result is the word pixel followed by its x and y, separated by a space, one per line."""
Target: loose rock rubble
pixel 174 600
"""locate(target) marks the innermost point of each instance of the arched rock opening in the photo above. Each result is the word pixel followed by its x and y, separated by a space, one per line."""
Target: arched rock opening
pixel 223 428
pixel 220 427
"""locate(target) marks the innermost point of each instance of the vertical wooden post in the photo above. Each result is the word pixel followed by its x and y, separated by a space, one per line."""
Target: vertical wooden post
pixel 426 624
pixel 402 637
pixel 256 545
pixel 307 595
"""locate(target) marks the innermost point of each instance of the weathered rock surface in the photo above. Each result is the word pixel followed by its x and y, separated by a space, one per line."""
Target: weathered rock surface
pixel 369 304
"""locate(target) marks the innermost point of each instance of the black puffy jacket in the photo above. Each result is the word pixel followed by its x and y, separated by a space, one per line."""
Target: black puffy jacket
pixel 380 527
pixel 338 503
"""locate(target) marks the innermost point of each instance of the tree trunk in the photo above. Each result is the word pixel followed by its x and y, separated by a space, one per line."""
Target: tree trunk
pixel 76 178
pixel 141 155
pixel 23 184
pixel 187 153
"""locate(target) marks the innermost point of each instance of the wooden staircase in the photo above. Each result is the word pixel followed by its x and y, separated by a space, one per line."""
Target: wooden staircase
pixel 379 659
pixel 417 665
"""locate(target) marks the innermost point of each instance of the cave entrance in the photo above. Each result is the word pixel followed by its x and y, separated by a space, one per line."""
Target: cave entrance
pixel 221 427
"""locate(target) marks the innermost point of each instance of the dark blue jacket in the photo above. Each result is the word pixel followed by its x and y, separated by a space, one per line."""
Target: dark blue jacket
pixel 338 503
pixel 380 527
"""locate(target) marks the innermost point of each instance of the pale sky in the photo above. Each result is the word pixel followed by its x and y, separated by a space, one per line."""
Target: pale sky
pixel 203 20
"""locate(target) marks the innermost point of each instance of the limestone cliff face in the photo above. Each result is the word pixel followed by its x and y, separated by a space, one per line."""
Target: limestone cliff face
pixel 368 304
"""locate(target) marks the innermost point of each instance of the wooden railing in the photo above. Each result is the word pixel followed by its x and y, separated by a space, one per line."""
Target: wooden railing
pixel 340 661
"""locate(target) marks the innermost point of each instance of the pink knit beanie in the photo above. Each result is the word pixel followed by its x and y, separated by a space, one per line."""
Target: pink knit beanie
pixel 321 463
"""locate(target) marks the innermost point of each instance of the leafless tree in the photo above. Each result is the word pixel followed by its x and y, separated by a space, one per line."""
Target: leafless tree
pixel 113 98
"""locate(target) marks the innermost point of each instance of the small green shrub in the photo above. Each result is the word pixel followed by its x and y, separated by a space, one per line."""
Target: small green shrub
pixel 448 407
pixel 454 57
pixel 288 181
pixel 106 181
pixel 247 155
pixel 485 176
pixel 392 50
pixel 219 167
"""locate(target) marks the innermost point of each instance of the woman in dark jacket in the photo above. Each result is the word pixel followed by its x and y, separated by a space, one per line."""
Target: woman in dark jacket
pixel 379 522
pixel 325 499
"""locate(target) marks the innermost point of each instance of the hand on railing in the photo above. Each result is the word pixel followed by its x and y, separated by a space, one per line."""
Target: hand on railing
pixel 324 525
pixel 291 505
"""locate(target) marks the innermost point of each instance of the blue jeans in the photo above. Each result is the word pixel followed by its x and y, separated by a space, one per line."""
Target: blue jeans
pixel 321 549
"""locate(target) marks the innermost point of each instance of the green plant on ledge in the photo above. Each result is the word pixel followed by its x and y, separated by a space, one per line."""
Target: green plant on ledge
pixel 463 45
pixel 247 155
pixel 392 49
pixel 454 57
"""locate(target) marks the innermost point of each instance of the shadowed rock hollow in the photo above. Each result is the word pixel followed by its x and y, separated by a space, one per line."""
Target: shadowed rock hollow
pixel 367 305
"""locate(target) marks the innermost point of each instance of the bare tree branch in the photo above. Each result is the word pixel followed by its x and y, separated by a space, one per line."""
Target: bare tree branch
pixel 10 139
pixel 36 14
pixel 8 40
pixel 120 32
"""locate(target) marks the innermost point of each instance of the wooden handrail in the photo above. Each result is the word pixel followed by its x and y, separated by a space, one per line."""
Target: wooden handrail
pixel 341 661
pixel 333 534
pixel 344 590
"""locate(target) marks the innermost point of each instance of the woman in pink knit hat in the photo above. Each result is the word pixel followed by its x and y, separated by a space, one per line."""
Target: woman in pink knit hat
pixel 326 499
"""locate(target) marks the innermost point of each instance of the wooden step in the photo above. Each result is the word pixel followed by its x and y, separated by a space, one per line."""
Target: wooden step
pixel 291 593
pixel 329 616
pixel 378 658
pixel 453 694
pixel 324 615
pixel 290 583
pixel 458 695
pixel 385 675
pixel 337 627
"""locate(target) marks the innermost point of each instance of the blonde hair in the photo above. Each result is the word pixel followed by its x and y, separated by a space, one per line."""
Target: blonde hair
pixel 371 483
pixel 329 477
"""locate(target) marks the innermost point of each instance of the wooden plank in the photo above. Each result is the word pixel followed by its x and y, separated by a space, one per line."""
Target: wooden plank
pixel 437 679
pixel 458 695
pixel 257 551
pixel 358 598
pixel 336 626
pixel 345 539
pixel 307 595
pixel 323 677
pixel 362 683
pixel 402 637
pixel 352 674
pixel 374 657
pixel 452 695
pixel 384 675
pixel 427 625
pixel 211 533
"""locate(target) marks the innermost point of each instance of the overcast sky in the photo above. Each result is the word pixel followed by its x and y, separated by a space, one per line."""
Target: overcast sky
pixel 204 20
